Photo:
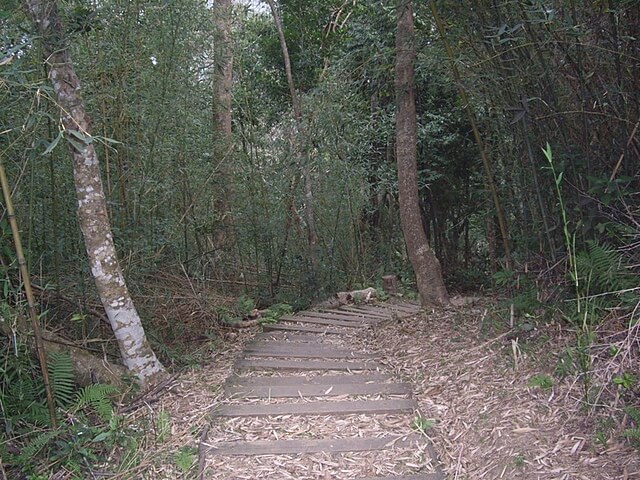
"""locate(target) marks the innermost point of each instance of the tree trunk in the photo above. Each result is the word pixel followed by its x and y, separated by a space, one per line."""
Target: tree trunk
pixel 223 141
pixel 312 235
pixel 92 210
pixel 425 264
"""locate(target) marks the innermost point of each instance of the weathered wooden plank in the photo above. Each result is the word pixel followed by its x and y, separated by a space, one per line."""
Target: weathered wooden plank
pixel 317 408
pixel 350 312
pixel 323 321
pixel 303 445
pixel 291 337
pixel 315 380
pixel 369 313
pixel 260 364
pixel 342 316
pixel 302 353
pixel 296 391
pixel 279 348
pixel 301 328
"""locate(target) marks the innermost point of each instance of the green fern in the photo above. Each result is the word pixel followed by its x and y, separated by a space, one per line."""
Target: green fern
pixel 602 269
pixel 97 397
pixel 633 434
pixel 62 378
pixel 28 453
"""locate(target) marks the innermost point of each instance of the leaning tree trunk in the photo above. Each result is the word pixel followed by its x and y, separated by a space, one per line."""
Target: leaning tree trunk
pixel 425 264
pixel 92 209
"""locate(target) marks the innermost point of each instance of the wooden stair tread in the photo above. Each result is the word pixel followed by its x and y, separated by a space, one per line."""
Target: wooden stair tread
pixel 283 447
pixel 317 408
pixel 369 312
pixel 297 352
pixel 363 319
pixel 317 380
pixel 290 337
pixel 301 328
pixel 323 321
pixel 306 364
pixel 296 391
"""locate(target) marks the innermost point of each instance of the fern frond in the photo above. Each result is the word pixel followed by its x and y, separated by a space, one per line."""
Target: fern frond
pixel 602 269
pixel 31 450
pixel 97 397
pixel 62 378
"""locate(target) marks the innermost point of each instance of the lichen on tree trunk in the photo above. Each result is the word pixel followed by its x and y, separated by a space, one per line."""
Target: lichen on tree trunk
pixel 136 353
pixel 425 264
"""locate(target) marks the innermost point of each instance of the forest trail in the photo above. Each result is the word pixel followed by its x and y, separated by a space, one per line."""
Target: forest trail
pixel 303 404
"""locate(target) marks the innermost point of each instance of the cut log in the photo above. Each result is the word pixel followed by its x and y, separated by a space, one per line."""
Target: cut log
pixel 356 296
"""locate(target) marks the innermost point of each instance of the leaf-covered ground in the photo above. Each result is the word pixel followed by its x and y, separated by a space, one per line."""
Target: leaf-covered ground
pixel 496 410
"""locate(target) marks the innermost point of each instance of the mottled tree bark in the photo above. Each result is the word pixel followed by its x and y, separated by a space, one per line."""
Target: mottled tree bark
pixel 222 118
pixel 425 264
pixel 92 210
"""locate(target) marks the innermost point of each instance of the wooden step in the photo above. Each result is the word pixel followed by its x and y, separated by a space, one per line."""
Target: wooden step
pixel 290 337
pixel 323 321
pixel 261 364
pixel 301 351
pixel 316 380
pixel 299 446
pixel 297 391
pixel 382 310
pixel 300 328
pixel 369 311
pixel 317 408
pixel 363 319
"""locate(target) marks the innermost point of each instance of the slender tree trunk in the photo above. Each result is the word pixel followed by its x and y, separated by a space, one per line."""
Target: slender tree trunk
pixel 223 140
pixel 425 264
pixel 92 210
pixel 312 236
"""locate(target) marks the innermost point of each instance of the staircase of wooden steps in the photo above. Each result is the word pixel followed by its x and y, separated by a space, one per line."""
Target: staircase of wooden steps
pixel 299 370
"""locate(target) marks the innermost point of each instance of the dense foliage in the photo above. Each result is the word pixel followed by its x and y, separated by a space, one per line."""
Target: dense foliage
pixel 553 85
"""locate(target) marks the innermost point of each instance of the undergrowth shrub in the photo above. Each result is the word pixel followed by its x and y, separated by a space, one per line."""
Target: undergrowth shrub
pixel 87 427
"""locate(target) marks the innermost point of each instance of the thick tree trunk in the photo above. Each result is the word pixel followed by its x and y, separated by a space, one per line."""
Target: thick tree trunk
pixel 223 141
pixel 425 264
pixel 92 210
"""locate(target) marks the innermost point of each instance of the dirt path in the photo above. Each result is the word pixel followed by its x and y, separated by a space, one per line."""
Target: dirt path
pixel 469 374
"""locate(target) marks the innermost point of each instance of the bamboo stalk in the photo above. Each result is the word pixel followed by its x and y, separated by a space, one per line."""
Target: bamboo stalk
pixel 24 271
pixel 476 133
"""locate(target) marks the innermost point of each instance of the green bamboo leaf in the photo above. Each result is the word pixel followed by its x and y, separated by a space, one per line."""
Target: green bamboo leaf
pixel 53 144
pixel 86 139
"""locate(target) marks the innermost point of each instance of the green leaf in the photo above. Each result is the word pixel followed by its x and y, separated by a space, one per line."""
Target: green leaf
pixel 53 144
pixel 86 139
